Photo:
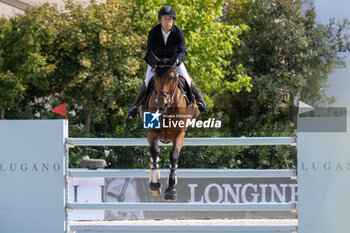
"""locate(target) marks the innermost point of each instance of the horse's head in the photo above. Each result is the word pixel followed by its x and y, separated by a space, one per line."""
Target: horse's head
pixel 165 84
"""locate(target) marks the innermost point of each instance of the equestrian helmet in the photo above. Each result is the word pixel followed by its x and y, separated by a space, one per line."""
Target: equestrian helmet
pixel 166 11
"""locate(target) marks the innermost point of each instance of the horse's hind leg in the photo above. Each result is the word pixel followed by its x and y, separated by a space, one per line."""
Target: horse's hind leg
pixel 154 185
pixel 170 193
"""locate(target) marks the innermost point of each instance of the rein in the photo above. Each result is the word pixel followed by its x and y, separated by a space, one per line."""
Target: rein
pixel 174 86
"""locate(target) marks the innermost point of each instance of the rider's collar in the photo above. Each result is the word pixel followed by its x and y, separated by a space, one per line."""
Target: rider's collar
pixel 165 33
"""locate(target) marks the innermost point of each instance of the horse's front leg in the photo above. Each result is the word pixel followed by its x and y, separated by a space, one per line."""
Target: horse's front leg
pixel 154 185
pixel 170 192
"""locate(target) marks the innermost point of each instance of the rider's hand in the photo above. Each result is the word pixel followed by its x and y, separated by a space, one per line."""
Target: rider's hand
pixel 165 61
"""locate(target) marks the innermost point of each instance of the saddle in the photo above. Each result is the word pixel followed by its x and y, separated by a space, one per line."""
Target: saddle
pixel 182 85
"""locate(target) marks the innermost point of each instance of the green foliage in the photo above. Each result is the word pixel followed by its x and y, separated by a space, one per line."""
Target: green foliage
pixel 209 41
pixel 285 50
pixel 98 53
pixel 24 67
pixel 288 55
pixel 246 56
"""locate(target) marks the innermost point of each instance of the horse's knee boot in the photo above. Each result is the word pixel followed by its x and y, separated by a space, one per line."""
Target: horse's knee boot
pixel 174 158
pixel 172 180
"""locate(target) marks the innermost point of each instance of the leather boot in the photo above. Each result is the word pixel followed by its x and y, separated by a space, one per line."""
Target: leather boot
pixel 132 112
pixel 200 100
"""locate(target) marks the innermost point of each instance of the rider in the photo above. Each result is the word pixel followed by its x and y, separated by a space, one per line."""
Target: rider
pixel 164 41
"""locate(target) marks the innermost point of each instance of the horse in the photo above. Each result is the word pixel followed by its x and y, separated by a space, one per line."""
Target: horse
pixel 169 99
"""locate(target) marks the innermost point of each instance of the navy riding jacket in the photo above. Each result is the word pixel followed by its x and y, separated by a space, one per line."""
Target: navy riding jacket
pixel 174 48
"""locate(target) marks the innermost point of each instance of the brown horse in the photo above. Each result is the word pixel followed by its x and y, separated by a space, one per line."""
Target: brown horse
pixel 169 99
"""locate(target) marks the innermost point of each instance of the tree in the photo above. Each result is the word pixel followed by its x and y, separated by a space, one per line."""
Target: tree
pixel 118 31
pixel 289 55
pixel 285 51
pixel 10 86
pixel 97 52
pixel 209 41
pixel 24 68
pixel 93 58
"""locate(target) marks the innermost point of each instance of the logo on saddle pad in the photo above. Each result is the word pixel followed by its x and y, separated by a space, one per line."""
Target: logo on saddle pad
pixel 151 120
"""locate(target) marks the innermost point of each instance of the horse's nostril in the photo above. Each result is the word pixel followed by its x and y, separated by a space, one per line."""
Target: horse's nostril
pixel 160 107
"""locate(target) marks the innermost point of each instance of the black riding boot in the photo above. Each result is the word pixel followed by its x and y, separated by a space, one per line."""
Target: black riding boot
pixel 132 113
pixel 200 100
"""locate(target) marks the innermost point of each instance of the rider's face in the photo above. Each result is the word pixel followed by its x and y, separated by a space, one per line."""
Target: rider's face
pixel 166 22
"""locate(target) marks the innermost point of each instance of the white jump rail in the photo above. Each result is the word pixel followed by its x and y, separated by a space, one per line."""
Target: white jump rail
pixel 183 173
pixel 202 229
pixel 183 206
pixel 186 173
pixel 224 141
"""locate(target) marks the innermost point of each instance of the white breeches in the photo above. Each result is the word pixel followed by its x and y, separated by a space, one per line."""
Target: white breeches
pixel 181 70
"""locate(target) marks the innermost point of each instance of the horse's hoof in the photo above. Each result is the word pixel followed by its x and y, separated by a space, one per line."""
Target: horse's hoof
pixel 170 194
pixel 155 188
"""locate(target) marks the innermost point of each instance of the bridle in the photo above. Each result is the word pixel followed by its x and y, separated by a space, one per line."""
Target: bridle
pixel 174 86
